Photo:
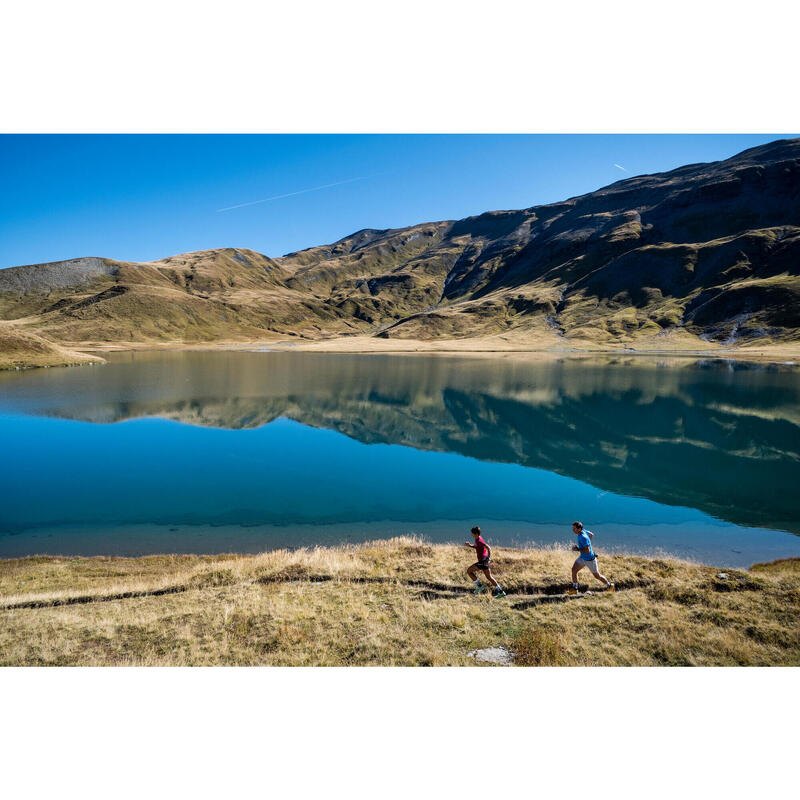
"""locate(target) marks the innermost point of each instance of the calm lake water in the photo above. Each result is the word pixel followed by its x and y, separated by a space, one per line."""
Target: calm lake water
pixel 247 451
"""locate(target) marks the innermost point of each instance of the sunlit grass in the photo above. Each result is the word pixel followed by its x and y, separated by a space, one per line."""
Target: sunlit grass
pixel 396 602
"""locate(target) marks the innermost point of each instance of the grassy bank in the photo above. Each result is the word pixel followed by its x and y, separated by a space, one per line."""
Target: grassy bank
pixel 20 349
pixel 397 602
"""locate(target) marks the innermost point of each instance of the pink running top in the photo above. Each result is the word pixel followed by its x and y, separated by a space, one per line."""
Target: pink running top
pixel 481 549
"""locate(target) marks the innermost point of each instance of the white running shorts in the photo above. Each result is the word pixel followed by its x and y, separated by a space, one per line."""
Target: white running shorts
pixel 590 565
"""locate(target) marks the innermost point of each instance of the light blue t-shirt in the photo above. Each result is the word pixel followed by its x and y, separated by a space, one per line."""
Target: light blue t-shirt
pixel 585 541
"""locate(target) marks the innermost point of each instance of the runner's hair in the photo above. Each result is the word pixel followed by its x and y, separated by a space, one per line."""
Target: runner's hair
pixel 578 525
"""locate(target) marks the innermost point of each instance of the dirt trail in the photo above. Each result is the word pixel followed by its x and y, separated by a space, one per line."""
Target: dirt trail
pixel 547 593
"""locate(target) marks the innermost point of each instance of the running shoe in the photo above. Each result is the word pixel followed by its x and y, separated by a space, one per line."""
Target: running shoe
pixel 610 587
pixel 572 590
pixel 498 593
pixel 479 589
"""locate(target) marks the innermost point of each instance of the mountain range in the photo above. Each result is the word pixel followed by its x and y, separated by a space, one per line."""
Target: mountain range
pixel 703 256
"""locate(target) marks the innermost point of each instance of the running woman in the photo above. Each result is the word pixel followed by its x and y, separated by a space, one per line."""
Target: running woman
pixel 586 558
pixel 483 551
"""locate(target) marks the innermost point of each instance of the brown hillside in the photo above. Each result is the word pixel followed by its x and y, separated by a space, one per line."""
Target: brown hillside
pixel 708 253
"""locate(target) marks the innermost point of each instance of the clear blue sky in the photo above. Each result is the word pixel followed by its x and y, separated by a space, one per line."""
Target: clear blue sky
pixel 143 197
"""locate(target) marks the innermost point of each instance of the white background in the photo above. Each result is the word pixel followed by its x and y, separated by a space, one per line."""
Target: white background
pixel 419 65
pixel 398 67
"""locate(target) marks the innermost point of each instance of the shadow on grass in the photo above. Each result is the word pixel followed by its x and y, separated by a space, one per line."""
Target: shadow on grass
pixel 547 593
pixel 101 598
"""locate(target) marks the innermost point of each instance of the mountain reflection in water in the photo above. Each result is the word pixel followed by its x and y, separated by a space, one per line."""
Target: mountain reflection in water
pixel 717 436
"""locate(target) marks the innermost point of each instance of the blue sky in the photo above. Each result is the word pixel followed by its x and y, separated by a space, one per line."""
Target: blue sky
pixel 142 197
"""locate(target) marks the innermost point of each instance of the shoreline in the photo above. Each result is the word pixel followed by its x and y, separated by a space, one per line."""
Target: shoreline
pixel 398 602
pixel 92 352
pixel 489 346
pixel 722 545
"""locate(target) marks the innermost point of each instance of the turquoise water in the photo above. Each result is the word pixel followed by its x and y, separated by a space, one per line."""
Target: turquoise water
pixel 214 452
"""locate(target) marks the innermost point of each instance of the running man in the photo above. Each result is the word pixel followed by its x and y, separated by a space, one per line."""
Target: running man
pixel 483 551
pixel 586 558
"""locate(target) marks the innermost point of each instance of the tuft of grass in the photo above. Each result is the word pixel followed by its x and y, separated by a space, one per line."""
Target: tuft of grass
pixel 217 577
pixel 538 647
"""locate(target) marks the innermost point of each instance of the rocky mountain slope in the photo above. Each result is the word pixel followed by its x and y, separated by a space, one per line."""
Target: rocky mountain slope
pixel 707 253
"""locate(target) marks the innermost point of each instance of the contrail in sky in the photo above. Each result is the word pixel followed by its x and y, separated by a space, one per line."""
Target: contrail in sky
pixel 292 194
pixel 616 165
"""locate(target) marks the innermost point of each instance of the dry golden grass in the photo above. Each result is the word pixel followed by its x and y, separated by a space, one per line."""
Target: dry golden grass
pixel 397 602
pixel 20 349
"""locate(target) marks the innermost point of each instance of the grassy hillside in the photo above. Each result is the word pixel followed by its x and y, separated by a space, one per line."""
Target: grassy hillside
pixel 704 256
pixel 397 602
pixel 21 348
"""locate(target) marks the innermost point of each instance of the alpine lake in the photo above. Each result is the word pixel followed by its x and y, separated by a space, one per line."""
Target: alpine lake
pixel 211 452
